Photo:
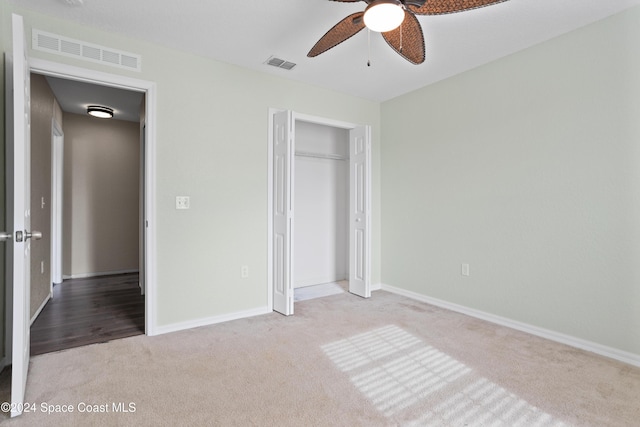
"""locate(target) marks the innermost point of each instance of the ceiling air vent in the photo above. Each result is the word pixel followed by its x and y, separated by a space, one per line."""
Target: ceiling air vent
pixel 280 63
pixel 65 46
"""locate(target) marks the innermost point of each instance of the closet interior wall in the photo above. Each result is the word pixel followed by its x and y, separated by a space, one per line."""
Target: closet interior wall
pixel 321 204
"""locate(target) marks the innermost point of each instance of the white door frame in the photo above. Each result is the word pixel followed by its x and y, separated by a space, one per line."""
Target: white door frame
pixel 69 72
pixel 270 235
pixel 142 278
pixel 57 177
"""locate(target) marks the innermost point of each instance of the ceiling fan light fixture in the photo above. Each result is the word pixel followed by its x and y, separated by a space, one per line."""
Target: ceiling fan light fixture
pixel 384 15
pixel 100 112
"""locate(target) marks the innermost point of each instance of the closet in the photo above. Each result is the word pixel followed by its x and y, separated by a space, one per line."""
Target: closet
pixel 321 204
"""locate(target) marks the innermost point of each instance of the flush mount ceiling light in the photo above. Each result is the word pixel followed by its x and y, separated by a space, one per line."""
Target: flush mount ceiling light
pixel 100 112
pixel 383 15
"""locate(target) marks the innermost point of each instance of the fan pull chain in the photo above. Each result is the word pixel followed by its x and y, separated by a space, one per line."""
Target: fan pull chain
pixel 368 47
pixel 400 38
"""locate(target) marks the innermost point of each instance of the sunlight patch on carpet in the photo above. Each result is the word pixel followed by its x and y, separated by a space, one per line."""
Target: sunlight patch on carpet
pixel 364 348
pixel 398 372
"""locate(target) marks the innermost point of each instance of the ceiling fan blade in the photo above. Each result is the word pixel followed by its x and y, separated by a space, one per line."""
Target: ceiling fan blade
pixel 343 30
pixel 440 7
pixel 407 39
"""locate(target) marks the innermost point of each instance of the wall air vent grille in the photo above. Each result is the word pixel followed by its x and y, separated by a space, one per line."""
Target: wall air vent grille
pixel 65 46
pixel 280 63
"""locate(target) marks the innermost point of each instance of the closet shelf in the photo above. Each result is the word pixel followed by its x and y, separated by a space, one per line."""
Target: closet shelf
pixel 321 156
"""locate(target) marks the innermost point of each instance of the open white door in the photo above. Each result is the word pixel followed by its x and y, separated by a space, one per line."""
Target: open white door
pixel 18 209
pixel 360 211
pixel 283 149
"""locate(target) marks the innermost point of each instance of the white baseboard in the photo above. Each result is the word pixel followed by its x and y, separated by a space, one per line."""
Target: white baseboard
pixel 37 313
pixel 602 350
pixel 102 273
pixel 376 287
pixel 174 327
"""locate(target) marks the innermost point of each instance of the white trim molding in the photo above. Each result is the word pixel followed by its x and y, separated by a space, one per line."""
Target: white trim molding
pixel 57 185
pixel 99 273
pixel 207 321
pixel 39 310
pixel 272 111
pixel 602 350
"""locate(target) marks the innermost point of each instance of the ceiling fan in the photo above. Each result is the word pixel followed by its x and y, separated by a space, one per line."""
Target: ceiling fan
pixel 396 20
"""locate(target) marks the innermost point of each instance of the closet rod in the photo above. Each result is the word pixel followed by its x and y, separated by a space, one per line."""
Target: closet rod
pixel 320 156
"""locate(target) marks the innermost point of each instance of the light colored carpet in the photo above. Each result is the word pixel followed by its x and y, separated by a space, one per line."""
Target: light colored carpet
pixel 340 361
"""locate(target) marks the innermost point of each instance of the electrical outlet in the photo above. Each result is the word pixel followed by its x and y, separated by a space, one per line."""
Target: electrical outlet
pixel 182 202
pixel 244 271
pixel 465 269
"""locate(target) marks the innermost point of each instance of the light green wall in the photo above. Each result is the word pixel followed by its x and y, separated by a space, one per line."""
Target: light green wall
pixel 528 169
pixel 212 146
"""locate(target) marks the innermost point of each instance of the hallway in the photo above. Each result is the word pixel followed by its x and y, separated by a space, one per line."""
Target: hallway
pixel 88 311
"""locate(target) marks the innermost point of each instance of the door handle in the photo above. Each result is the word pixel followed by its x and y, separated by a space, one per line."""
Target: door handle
pixel 5 236
pixel 24 235
pixel 35 235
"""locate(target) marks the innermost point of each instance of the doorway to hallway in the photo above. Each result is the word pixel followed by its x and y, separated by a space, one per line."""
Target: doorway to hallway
pixel 93 187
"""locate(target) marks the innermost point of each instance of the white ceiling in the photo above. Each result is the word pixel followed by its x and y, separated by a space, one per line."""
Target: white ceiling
pixel 75 97
pixel 248 32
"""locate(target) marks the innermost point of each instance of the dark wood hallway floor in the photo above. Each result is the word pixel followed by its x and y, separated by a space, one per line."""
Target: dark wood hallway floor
pixel 89 311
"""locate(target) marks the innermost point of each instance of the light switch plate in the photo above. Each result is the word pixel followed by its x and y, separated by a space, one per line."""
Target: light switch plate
pixel 182 202
pixel 465 269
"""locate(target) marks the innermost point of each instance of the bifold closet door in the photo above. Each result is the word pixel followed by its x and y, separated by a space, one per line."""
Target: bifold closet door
pixel 360 212
pixel 283 169
pixel 282 213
